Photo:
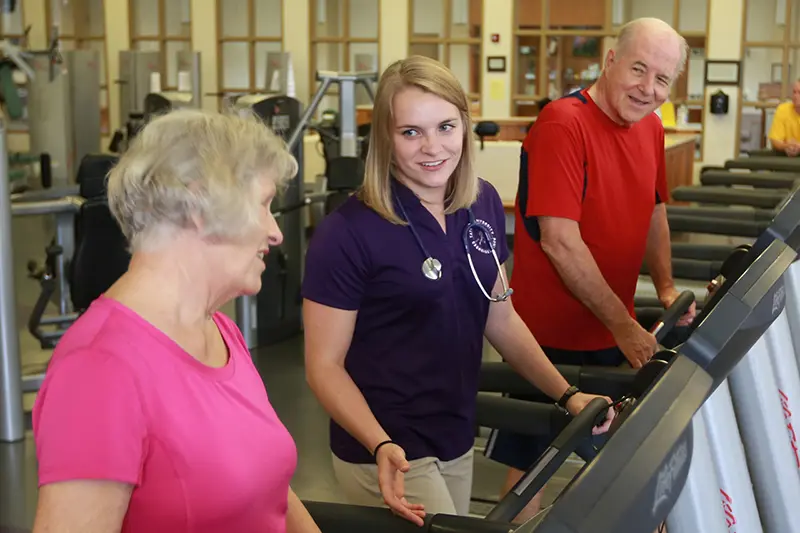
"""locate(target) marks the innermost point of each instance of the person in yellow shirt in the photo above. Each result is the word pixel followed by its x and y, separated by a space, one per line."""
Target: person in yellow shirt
pixel 785 132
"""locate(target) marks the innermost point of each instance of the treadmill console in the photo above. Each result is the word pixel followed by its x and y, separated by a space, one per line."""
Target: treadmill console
pixel 636 478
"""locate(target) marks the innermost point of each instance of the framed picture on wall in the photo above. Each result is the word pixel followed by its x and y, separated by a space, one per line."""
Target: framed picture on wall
pixel 776 75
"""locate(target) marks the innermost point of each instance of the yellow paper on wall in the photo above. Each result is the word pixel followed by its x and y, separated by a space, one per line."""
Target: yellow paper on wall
pixel 668 114
pixel 497 90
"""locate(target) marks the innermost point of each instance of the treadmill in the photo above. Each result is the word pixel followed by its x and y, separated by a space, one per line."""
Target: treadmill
pixel 636 478
pixel 634 481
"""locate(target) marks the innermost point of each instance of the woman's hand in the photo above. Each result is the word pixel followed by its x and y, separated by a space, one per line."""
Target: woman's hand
pixel 392 466
pixel 580 400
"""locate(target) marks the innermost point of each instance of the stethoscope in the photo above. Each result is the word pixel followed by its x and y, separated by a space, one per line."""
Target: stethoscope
pixel 432 267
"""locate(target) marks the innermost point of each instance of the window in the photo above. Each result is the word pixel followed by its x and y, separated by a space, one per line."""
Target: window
pixel 560 48
pixel 164 26
pixel 80 24
pixel 770 63
pixel 344 37
pixel 248 30
pixel 450 31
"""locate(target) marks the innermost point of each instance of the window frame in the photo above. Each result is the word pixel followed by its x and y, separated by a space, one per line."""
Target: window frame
pixel 252 41
pixel 787 45
pixel 162 38
pixel 344 40
pixel 447 41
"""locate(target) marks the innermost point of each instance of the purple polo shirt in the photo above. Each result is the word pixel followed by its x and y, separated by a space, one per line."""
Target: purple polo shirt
pixel 417 344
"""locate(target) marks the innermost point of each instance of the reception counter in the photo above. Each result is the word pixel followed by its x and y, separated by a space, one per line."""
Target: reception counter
pixel 679 159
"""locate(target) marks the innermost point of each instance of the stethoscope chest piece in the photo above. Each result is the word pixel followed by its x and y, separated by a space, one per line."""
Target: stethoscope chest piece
pixel 432 268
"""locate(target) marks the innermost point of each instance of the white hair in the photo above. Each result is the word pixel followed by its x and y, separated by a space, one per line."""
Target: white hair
pixel 193 166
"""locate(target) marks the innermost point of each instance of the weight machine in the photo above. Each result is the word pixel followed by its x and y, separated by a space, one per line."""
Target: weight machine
pixel 141 93
pixel 275 313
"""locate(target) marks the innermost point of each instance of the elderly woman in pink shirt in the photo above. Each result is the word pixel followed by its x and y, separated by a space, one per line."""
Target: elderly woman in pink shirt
pixel 152 417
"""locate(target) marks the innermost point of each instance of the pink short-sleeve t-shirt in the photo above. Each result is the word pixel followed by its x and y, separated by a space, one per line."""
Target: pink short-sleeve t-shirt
pixel 202 446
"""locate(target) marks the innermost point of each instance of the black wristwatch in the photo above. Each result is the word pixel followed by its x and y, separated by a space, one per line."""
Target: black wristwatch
pixel 572 391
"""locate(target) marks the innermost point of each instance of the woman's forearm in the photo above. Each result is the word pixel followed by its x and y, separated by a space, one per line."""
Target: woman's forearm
pixel 298 519
pixel 511 337
pixel 343 401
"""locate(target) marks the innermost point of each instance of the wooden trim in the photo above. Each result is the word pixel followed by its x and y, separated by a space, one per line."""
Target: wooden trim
pixel 312 53
pixel 525 97
pixel 410 26
pixel 676 14
pixel 761 44
pixel 242 39
pixel 440 40
pixel 512 105
pixel 251 48
pixel 702 102
pixel 761 105
pixel 546 15
pixel 131 23
pixel 220 57
pixel 531 33
pixel 571 33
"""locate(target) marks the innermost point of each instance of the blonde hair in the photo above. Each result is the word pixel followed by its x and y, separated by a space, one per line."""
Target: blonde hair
pixel 433 77
pixel 191 166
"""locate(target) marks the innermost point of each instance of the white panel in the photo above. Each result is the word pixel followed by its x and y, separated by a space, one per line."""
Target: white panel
pixel 428 17
pixel 234 18
pixel 145 17
pixel 236 65
pixel 268 18
pixel 364 19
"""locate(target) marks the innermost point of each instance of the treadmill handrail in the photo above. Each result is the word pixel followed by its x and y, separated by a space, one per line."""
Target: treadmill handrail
pixel 672 315
pixel 546 465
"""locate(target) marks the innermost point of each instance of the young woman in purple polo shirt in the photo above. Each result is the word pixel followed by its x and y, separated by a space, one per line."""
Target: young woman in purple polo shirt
pixel 402 283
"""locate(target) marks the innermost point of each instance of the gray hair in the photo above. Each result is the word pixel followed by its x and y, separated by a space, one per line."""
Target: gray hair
pixel 191 166
pixel 629 31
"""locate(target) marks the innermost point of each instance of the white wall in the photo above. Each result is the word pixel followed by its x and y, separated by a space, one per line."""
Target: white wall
pixel 720 135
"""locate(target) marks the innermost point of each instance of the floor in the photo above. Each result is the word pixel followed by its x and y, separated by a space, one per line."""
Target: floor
pixel 282 369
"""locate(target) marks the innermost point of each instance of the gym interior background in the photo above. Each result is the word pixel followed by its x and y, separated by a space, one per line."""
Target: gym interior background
pixel 508 54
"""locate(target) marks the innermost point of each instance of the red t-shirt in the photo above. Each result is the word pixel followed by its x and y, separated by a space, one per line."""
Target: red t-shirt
pixel 577 163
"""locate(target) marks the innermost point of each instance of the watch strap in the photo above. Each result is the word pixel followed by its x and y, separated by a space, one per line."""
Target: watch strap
pixel 570 392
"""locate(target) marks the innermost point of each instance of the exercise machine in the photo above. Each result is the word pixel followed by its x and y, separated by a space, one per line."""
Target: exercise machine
pixel 275 313
pixel 141 90
pixel 96 253
pixel 63 97
pixel 11 419
pixel 64 109
pixel 187 95
pixel 614 382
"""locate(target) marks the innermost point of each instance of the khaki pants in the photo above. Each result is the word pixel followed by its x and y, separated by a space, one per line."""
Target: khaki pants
pixel 441 486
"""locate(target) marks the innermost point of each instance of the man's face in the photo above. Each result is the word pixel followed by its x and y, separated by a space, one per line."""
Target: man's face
pixel 640 75
pixel 796 94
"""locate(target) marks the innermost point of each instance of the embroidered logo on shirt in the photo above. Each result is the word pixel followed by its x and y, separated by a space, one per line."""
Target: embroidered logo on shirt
pixel 484 242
